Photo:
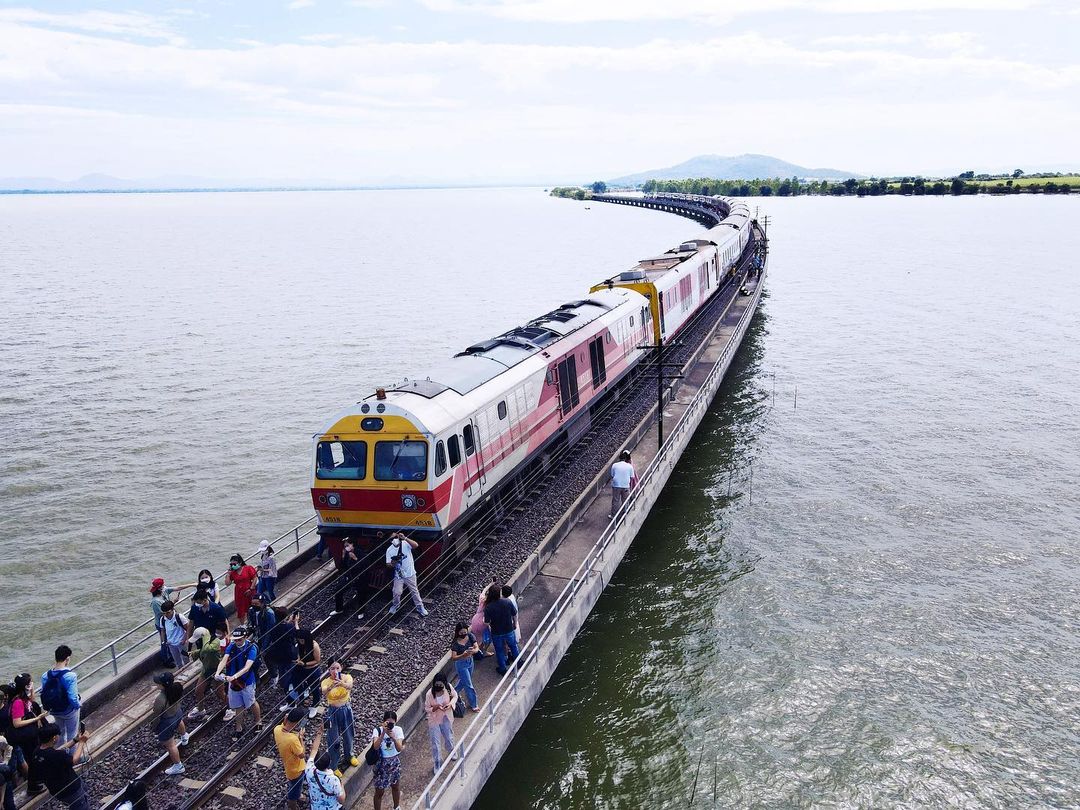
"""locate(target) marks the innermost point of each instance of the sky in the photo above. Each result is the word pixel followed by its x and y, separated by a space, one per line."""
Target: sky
pixel 375 91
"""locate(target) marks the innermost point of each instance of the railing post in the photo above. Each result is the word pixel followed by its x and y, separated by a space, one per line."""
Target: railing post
pixel 112 652
pixel 427 799
pixel 296 533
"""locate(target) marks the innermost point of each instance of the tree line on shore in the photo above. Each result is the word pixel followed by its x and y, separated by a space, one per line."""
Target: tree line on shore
pixel 964 183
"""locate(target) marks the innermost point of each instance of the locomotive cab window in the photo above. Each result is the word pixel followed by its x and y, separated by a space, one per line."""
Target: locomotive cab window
pixel 341 460
pixel 400 461
pixel 440 458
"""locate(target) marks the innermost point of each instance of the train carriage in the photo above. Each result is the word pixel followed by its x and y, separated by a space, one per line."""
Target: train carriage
pixel 421 455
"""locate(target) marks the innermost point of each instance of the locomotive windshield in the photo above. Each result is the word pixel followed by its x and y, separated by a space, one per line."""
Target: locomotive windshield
pixel 346 460
pixel 401 461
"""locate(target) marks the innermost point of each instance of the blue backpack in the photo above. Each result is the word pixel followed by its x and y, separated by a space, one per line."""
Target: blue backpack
pixel 54 695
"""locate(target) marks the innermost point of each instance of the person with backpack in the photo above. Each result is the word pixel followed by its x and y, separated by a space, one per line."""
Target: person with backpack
pixel 60 694
pixel 174 629
pixel 209 656
pixel 238 664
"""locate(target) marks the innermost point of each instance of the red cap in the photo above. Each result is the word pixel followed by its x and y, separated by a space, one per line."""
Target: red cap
pixel 157 583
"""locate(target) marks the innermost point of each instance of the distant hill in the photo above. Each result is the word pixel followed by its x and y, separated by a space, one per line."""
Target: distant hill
pixel 739 167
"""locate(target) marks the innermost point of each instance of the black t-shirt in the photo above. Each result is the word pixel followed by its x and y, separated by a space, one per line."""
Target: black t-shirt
pixel 500 615
pixel 459 647
pixel 57 770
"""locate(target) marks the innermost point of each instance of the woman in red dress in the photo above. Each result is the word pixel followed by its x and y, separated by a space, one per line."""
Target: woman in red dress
pixel 244 577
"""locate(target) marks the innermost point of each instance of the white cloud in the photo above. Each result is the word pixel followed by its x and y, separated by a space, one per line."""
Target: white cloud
pixel 298 4
pixel 125 23
pixel 581 11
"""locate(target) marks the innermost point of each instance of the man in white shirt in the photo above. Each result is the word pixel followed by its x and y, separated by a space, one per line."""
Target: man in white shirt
pixel 623 478
pixel 399 558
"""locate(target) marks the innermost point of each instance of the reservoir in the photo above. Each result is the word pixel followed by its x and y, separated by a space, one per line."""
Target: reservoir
pixel 859 587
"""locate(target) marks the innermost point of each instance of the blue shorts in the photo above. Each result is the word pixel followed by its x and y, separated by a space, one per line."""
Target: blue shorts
pixel 295 786
pixel 167 726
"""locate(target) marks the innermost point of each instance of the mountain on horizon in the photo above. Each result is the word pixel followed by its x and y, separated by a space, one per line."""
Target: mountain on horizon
pixel 738 167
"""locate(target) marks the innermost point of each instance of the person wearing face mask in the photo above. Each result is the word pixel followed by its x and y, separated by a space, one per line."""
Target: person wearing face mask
pixel 209 656
pixel 462 649
pixel 244 578
pixel 204 613
pixel 439 708
pixel 351 582
pixel 238 664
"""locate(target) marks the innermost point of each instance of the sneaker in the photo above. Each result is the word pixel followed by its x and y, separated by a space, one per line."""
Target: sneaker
pixel 312 713
pixel 185 738
pixel 354 761
pixel 284 707
pixel 392 611
pixel 333 613
pixel 196 714
pixel 176 769
pixel 359 617
pixel 229 715
pixel 422 611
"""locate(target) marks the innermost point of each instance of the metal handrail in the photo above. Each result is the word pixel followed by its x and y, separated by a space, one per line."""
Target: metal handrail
pixel 530 649
pixel 110 648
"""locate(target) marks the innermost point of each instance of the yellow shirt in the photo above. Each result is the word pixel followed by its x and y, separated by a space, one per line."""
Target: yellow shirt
pixel 339 691
pixel 291 750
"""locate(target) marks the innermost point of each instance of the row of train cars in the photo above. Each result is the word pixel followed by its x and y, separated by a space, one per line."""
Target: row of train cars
pixel 425 455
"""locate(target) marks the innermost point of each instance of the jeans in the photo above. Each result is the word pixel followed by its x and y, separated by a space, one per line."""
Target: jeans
pixel 445 730
pixel 399 584
pixel 342 727
pixel 69 725
pixel 176 653
pixel 503 640
pixel 79 800
pixel 266 588
pixel 464 673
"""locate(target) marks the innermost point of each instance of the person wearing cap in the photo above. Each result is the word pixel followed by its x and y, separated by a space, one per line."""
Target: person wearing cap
pixel 167 717
pixel 290 745
pixel 268 572
pixel 208 653
pixel 55 763
pixel 238 664
pixel 337 689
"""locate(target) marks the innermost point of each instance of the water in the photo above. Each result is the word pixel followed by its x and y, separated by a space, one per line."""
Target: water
pixel 891 621
pixel 166 359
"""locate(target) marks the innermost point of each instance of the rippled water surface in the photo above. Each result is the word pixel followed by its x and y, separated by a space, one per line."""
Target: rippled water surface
pixel 889 617
pixel 885 616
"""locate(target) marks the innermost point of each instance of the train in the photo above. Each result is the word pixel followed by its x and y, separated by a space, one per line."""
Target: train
pixel 424 455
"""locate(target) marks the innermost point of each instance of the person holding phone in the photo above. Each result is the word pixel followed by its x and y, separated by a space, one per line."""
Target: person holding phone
pixel 387 742
pixel 462 649
pixel 337 689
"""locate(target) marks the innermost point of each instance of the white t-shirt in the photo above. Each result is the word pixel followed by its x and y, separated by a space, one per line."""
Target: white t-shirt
pixel 388 748
pixel 621 473
pixel 407 567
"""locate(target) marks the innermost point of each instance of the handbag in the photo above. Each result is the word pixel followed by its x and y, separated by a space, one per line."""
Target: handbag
pixel 372 756
pixel 459 707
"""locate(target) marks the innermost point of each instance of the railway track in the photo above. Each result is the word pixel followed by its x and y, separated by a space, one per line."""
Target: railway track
pixel 497 544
